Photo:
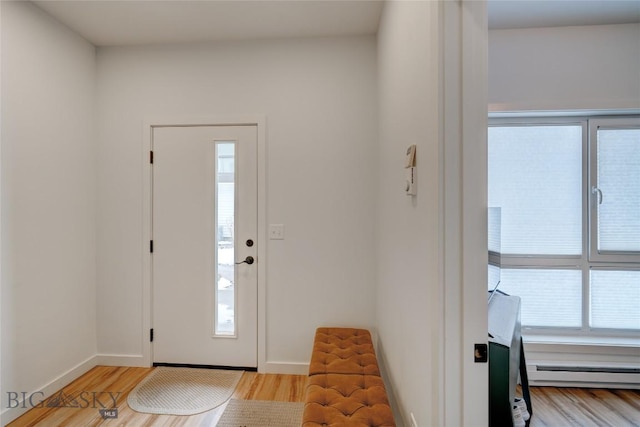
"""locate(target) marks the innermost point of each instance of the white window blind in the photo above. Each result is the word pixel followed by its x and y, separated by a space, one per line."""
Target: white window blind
pixel 615 299
pixel 618 190
pixel 571 274
pixel 550 297
pixel 535 177
pixel 493 276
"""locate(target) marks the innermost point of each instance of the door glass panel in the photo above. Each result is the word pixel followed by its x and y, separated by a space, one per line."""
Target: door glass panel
pixel 619 184
pixel 225 295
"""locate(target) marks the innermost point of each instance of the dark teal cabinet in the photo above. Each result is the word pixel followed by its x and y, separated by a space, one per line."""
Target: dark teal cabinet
pixel 506 357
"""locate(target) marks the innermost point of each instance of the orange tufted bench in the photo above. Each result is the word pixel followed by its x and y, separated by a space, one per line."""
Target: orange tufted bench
pixel 345 387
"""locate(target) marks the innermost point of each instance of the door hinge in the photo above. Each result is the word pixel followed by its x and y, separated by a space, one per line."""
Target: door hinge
pixel 151 157
pixel 151 335
pixel 151 246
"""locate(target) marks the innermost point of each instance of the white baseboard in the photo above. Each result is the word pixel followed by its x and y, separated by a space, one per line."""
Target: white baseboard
pixel 293 368
pixel 24 399
pixel 591 365
pixel 138 360
pixel 132 360
pixel 538 376
pixel 393 399
pixel 584 384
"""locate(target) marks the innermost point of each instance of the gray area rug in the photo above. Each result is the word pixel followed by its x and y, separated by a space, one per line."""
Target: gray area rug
pixel 261 413
pixel 183 391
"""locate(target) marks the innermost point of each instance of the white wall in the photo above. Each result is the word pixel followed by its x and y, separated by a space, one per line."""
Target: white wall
pixel 319 99
pixel 408 247
pixel 48 202
pixel 591 67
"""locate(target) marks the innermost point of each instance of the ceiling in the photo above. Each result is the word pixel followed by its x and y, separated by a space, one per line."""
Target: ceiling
pixel 129 22
pixel 123 22
pixel 559 13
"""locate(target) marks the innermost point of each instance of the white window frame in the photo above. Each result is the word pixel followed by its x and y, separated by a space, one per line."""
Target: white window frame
pixel 594 196
pixel 586 261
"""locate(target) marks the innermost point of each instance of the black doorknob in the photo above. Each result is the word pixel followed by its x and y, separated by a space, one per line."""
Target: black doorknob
pixel 248 260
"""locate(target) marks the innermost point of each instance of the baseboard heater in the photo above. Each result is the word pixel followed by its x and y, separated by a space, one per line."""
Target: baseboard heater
pixel 590 369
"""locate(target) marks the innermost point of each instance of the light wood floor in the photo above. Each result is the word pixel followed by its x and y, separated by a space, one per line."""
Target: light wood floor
pixel 553 407
pixel 109 381
pixel 584 407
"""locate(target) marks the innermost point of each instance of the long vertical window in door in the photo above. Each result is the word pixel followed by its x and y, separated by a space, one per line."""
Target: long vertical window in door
pixel 225 295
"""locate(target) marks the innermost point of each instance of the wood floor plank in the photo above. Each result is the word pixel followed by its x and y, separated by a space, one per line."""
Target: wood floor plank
pixel 276 387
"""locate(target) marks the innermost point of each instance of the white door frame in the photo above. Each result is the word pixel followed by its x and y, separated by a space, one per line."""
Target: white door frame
pixel 463 383
pixel 244 120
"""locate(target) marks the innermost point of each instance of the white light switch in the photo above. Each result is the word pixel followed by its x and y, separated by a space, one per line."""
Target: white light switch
pixel 276 232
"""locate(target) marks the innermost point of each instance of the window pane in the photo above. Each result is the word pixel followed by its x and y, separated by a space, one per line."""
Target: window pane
pixel 619 182
pixel 615 299
pixel 535 176
pixel 493 277
pixel 549 297
pixel 494 230
pixel 225 267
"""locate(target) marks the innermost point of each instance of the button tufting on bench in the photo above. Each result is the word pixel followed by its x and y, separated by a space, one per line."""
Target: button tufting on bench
pixel 345 387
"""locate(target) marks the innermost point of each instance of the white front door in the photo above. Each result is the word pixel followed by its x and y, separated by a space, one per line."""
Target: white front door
pixel 204 216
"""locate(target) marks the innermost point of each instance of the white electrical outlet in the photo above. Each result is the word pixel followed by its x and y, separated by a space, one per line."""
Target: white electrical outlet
pixel 413 421
pixel 276 232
